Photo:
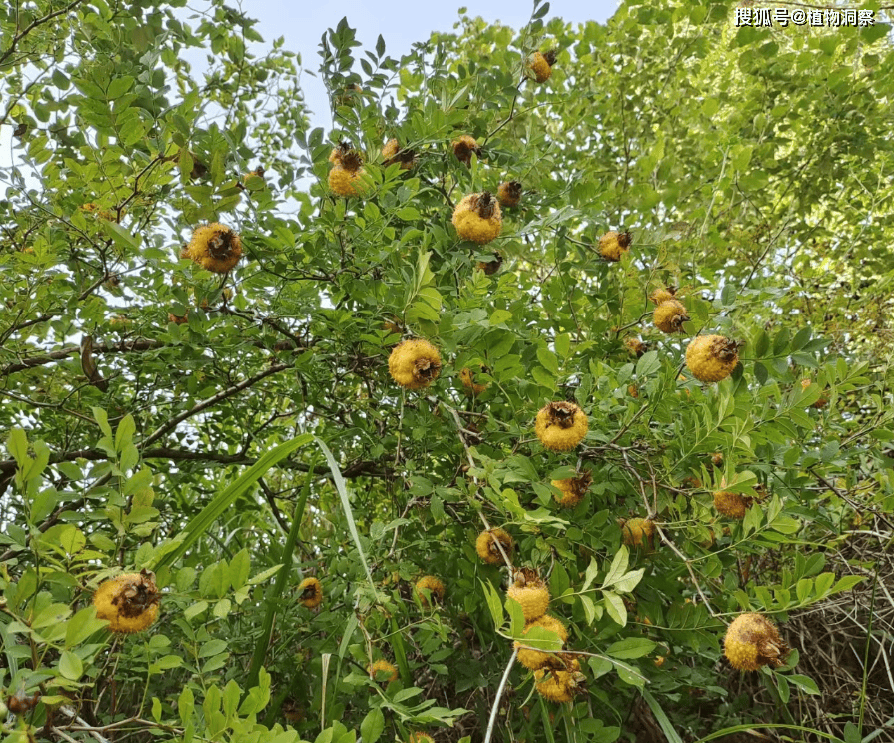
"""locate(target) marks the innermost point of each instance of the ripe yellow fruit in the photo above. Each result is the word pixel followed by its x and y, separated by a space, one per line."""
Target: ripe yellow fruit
pixel 382 670
pixel 214 247
pixel 490 267
pixel 535 659
pixel 129 602
pixel 485 545
pixel 434 586
pixel 573 489
pixel 752 642
pixel 531 592
pixel 669 316
pixel 635 346
pixel 463 147
pixel 613 244
pixel 477 217
pixel 711 358
pixel 468 381
pixel 561 426
pixel 731 504
pixel 559 686
pixel 541 65
pixel 663 295
pixel 638 532
pixel 509 193
pixel 310 593
pixel 414 364
pixel 346 182
pixel 392 153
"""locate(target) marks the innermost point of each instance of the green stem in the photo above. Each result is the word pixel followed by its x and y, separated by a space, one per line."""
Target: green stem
pixel 273 596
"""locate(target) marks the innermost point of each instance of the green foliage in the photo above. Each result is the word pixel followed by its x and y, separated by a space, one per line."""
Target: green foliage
pixel 165 417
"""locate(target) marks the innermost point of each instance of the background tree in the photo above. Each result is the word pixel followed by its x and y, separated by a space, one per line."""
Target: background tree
pixel 239 433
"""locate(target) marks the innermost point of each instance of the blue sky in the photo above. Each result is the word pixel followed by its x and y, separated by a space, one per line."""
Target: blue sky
pixel 400 22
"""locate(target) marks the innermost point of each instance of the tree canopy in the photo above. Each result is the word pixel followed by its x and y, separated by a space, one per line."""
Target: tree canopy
pixel 602 311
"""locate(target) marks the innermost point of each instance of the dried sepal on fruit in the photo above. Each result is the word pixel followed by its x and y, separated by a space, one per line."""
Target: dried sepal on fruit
pixel 310 593
pixel 486 545
pixel 613 244
pixel 541 65
pixel 752 641
pixel 730 504
pixel 638 532
pixel 434 586
pixel 573 489
pixel 414 364
pixel 382 670
pixel 712 358
pixel 529 590
pixel 129 602
pixel 490 267
pixel 215 247
pixel 393 154
pixel 561 426
pixel 478 218
pixel 470 386
pixel 509 193
pixel 669 316
pixel 534 659
pixel 346 176
pixel 463 147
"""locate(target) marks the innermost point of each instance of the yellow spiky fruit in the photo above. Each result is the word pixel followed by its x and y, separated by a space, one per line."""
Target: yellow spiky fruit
pixel 535 659
pixel 382 670
pixel 635 346
pixel 531 593
pixel 478 218
pixel 310 593
pixel 561 426
pixel 613 244
pixel 433 585
pixel 486 547
pixel 392 154
pixel 752 641
pixel 573 489
pixel 731 504
pixel 541 65
pixel 669 316
pixel 129 602
pixel 638 532
pixel 663 295
pixel 414 364
pixel 214 247
pixel 346 182
pixel 711 358
pixel 509 193
pixel 559 686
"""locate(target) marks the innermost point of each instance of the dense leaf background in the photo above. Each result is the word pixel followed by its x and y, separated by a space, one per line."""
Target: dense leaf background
pixel 225 413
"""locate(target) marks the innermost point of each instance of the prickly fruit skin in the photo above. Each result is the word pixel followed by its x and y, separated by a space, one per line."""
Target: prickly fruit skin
pixel 731 504
pixel 635 346
pixel 434 586
pixel 561 426
pixel 711 358
pixel 638 532
pixel 534 599
pixel 414 364
pixel 487 549
pixel 752 642
pixel 378 670
pixel 346 182
pixel 473 222
pixel 613 244
pixel 541 66
pixel 509 193
pixel 392 153
pixel 573 489
pixel 310 593
pixel 535 659
pixel 557 686
pixel 669 316
pixel 663 295
pixel 214 247
pixel 463 147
